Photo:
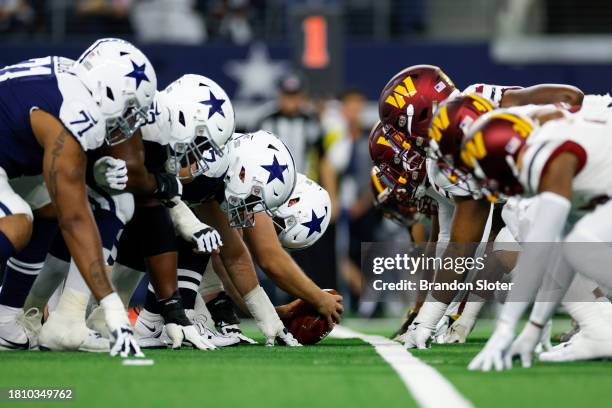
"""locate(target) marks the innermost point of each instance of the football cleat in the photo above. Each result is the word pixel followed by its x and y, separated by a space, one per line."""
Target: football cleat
pixel 97 322
pixel 567 336
pixel 149 331
pixel 583 346
pixel 62 332
pixel 22 332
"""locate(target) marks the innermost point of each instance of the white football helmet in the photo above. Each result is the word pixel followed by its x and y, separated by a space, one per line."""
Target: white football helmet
pixel 201 117
pixel 261 176
pixel 122 81
pixel 303 219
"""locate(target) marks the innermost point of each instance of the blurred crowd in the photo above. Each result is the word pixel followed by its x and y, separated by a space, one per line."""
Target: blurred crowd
pixel 194 21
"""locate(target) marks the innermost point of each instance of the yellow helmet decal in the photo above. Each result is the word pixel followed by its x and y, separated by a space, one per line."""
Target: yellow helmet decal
pixel 401 91
pixel 439 124
pixel 474 149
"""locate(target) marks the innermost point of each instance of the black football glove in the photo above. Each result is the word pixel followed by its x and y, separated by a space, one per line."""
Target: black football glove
pixel 169 188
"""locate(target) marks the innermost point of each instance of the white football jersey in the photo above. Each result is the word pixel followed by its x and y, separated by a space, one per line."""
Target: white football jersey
pixel 588 139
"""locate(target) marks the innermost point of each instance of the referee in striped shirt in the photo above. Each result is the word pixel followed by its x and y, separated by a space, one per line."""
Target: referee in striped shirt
pixel 300 129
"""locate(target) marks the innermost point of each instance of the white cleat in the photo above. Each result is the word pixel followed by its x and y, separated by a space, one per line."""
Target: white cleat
pixel 214 337
pixel 583 346
pixel 149 331
pixel 21 333
pixel 63 332
pixel 97 322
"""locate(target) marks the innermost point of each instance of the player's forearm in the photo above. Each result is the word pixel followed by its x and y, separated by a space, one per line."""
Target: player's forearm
pixel 288 276
pixel 140 181
pixel 241 271
pixel 83 241
pixel 228 285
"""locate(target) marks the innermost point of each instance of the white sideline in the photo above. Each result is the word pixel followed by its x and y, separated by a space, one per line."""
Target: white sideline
pixel 427 386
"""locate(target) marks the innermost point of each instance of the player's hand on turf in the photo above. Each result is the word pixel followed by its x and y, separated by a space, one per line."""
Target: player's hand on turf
pixel 545 343
pixel 492 353
pixel 124 343
pixel 187 334
pixel 330 307
pixel 459 331
pixel 523 346
pixel 283 338
pixel 233 330
pixel 110 173
pixel 207 240
pixel 417 336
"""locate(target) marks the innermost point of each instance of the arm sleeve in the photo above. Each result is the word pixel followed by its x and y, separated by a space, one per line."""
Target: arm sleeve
pixel 539 251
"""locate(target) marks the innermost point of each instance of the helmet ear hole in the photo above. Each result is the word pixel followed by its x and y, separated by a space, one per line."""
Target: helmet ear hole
pixel 423 115
pixel 109 94
pixel 181 118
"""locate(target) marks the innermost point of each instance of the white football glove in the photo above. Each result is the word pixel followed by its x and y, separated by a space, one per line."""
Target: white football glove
pixel 492 353
pixel 233 330
pixel 187 334
pixel 417 336
pixel 459 331
pixel 111 173
pixel 123 342
pixel 283 338
pixel 523 346
pixel 545 343
pixel 206 239
pixel 190 228
pixel 258 303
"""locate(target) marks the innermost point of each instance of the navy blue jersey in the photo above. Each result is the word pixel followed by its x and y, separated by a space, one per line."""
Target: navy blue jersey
pixel 47 84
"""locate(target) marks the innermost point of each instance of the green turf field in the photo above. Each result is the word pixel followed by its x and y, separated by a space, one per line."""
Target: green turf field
pixel 345 373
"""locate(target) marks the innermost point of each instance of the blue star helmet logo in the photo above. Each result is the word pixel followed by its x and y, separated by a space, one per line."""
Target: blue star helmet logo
pixel 314 225
pixel 276 170
pixel 138 73
pixel 215 105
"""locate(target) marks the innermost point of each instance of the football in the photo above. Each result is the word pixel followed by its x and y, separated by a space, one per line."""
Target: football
pixel 306 325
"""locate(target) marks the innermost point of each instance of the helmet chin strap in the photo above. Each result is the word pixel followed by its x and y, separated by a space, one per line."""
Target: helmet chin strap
pixel 512 164
pixel 409 116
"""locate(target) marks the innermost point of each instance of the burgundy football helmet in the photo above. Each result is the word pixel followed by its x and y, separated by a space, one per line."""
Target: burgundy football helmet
pixel 398 166
pixel 399 204
pixel 449 125
pixel 408 101
pixel 491 150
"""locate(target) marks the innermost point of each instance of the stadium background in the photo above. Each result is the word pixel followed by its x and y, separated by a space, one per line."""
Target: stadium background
pixel 249 46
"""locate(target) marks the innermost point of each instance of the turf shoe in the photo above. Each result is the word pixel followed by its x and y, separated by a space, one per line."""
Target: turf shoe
pixel 149 331
pixel 66 332
pixel 20 330
pixel 583 346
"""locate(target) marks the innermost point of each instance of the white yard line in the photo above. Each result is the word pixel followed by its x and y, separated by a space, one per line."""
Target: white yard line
pixel 427 386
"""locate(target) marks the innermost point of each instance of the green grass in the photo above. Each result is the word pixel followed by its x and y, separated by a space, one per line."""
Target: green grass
pixel 335 373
